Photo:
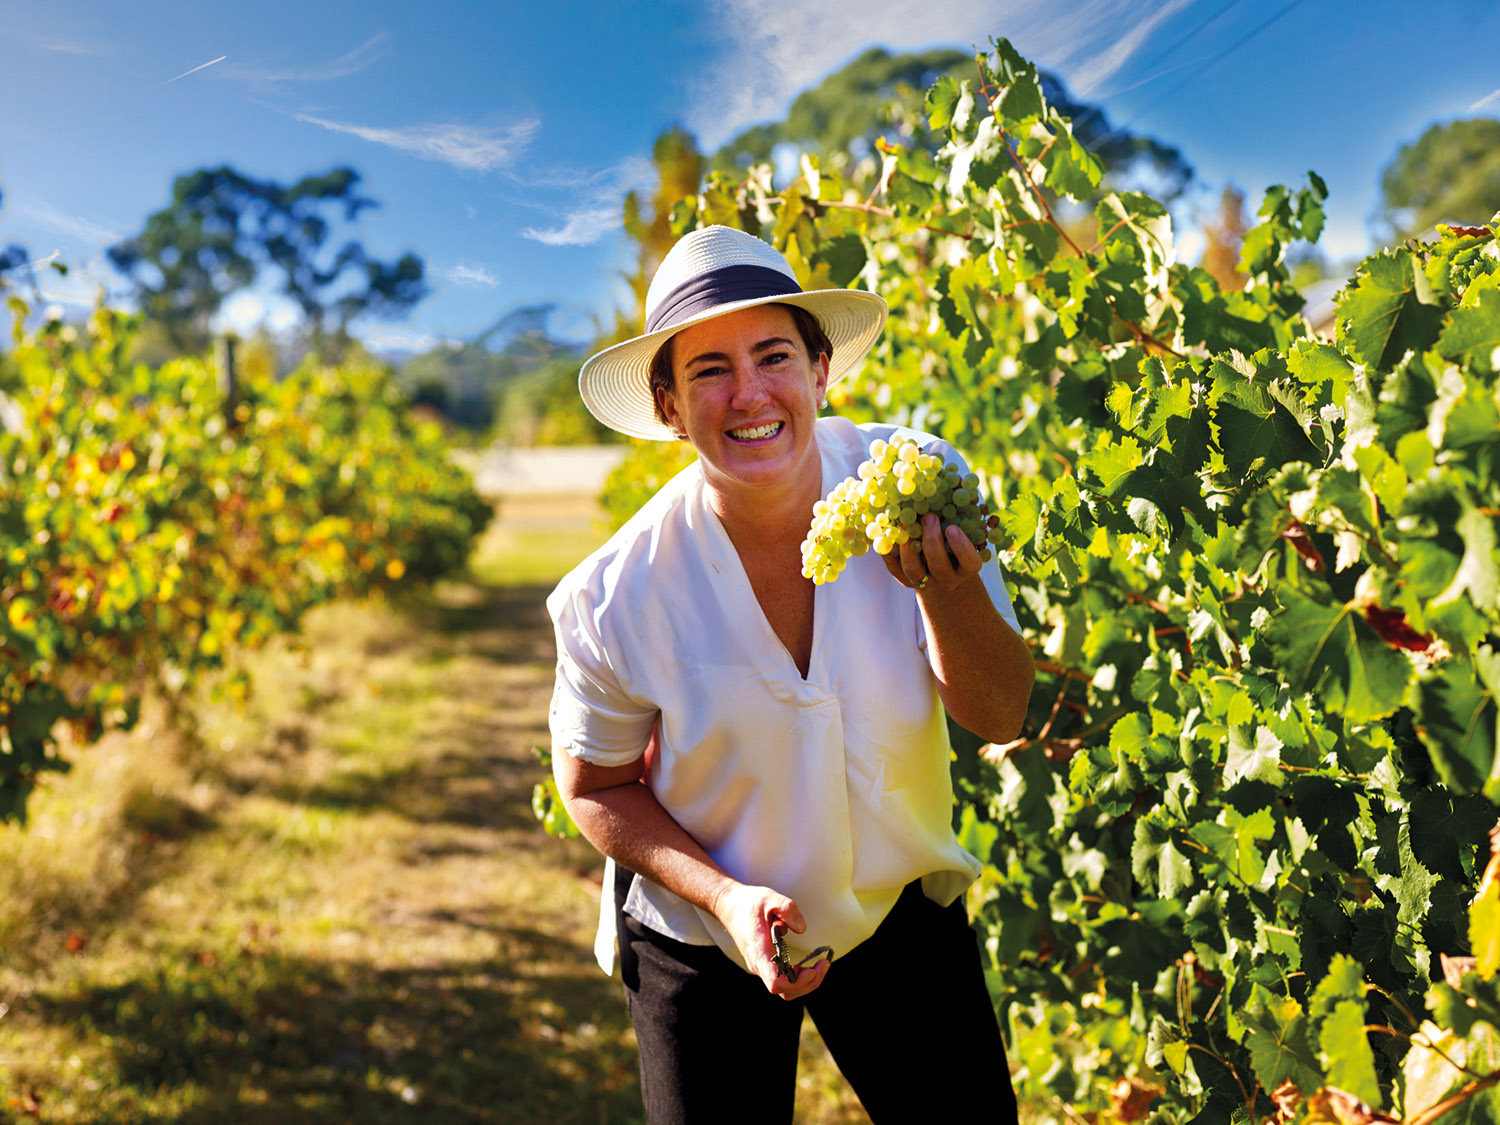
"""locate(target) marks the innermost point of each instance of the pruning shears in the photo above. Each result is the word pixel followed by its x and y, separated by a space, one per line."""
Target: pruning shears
pixel 783 959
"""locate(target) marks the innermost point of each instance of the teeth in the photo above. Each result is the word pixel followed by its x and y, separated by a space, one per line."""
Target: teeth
pixel 756 432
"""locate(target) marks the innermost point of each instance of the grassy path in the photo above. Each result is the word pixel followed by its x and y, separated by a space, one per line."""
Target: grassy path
pixel 334 904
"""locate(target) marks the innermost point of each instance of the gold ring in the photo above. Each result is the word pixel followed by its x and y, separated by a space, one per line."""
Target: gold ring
pixel 922 583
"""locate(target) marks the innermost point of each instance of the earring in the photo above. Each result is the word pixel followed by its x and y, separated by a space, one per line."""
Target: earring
pixel 680 435
pixel 822 402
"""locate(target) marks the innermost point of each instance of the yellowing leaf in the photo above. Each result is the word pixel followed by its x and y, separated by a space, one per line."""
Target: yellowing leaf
pixel 1484 922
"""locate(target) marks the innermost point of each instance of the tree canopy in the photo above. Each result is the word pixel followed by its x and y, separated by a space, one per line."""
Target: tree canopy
pixel 223 230
pixel 881 95
pixel 1451 173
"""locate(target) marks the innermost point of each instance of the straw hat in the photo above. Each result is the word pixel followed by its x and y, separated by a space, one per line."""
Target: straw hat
pixel 710 272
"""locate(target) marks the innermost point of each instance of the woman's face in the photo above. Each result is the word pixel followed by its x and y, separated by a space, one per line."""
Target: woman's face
pixel 746 393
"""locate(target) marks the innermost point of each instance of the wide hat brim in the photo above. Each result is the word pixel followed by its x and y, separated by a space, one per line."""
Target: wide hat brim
pixel 615 384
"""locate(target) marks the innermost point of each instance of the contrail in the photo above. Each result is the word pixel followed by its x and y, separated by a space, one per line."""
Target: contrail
pixel 1484 101
pixel 195 69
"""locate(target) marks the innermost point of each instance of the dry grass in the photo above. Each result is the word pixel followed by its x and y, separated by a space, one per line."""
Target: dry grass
pixel 334 904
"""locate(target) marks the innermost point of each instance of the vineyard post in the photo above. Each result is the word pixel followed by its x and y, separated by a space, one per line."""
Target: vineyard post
pixel 229 387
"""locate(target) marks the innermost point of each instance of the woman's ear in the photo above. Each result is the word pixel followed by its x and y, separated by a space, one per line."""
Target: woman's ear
pixel 666 400
pixel 822 379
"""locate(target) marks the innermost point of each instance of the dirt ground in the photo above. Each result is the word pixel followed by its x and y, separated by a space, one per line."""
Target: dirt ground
pixel 336 904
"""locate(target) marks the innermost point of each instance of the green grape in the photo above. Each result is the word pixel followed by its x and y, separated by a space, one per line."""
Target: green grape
pixel 882 505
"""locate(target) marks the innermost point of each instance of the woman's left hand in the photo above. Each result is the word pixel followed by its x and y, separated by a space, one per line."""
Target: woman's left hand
pixel 946 559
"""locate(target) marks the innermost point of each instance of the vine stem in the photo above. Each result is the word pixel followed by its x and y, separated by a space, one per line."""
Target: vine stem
pixel 1391 1031
pixel 1142 337
pixel 987 90
pixel 867 208
pixel 1244 1093
pixel 1453 1101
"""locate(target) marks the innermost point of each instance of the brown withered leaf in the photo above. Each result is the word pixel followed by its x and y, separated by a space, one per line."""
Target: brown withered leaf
pixel 1286 1098
pixel 1131 1098
pixel 1454 968
pixel 1332 1106
pixel 1468 232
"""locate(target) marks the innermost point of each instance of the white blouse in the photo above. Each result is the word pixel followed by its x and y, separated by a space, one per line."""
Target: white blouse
pixel 834 789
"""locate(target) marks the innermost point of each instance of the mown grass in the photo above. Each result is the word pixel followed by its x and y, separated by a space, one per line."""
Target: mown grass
pixel 332 904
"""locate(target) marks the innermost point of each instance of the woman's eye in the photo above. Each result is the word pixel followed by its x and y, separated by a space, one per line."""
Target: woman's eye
pixel 702 371
pixel 773 358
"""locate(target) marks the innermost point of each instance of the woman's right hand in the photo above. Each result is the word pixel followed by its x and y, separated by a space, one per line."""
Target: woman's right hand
pixel 748 913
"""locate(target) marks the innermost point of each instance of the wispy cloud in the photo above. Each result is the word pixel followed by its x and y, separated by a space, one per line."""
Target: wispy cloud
pixel 774 48
pixel 580 229
pixel 62 46
pixel 90 234
pixel 196 69
pixel 1488 100
pixel 470 147
pixel 1101 62
pixel 596 210
pixel 347 64
pixel 467 273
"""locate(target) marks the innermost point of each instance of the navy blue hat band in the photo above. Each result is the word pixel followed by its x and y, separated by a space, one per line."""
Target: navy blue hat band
pixel 719 287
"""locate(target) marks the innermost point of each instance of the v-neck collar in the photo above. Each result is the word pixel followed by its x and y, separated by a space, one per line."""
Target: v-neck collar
pixel 735 591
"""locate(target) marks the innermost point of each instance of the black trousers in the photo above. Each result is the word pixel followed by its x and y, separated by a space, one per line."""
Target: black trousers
pixel 906 1016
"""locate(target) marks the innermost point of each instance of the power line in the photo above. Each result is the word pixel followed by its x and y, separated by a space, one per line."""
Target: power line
pixel 1098 107
pixel 1199 26
pixel 1163 95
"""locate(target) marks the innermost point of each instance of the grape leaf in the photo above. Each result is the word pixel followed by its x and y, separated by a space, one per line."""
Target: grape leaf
pixel 1020 98
pixel 1448 832
pixel 1140 221
pixel 1276 1036
pixel 1071 168
pixel 981 161
pixel 1413 885
pixel 1255 428
pixel 1259 760
pixel 1235 841
pixel 844 255
pixel 1477 573
pixel 1344 981
pixel 1346 1049
pixel 1430 1073
pixel 1331 649
pixel 942 97
pixel 1111 462
pixel 1318 364
pixel 1484 926
pixel 1156 862
pixel 1207 318
pixel 1389 310
pixel 1454 714
pixel 1472 336
pixel 1310 215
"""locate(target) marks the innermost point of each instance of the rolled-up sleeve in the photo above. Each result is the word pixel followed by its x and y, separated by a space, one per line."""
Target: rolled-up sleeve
pixel 592 716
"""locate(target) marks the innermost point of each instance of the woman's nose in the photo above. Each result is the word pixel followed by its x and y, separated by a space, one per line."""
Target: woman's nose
pixel 749 385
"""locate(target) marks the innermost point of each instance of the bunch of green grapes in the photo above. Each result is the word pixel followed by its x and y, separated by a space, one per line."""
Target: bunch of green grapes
pixel 883 505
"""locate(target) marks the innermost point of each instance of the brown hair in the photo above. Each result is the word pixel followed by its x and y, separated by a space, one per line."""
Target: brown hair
pixel 814 339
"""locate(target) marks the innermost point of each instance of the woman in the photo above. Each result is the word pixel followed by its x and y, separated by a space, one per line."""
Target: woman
pixel 797 781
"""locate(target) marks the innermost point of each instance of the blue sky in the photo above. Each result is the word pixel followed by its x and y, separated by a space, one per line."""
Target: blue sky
pixel 500 137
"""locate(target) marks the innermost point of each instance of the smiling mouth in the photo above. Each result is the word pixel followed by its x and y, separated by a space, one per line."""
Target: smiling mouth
pixel 757 433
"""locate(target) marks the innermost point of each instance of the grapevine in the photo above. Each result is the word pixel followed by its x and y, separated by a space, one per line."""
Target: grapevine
pixel 1234 868
pixel 147 534
pixel 883 504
